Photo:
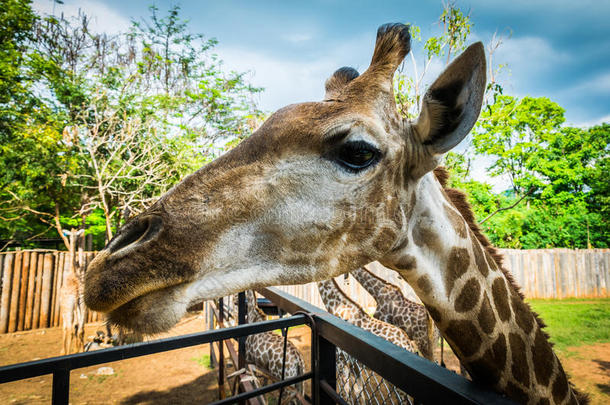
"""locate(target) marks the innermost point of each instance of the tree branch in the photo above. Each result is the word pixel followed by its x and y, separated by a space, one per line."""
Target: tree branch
pixel 531 190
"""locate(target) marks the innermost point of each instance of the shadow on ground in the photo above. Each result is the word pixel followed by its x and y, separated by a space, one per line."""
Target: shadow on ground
pixel 201 390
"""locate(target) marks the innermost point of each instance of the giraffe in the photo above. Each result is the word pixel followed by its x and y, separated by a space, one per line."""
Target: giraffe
pixel 322 188
pixel 265 350
pixel 394 308
pixel 68 307
pixel 71 305
pixel 338 303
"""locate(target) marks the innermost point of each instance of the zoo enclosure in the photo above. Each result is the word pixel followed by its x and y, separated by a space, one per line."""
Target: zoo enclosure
pixel 30 282
pixel 418 377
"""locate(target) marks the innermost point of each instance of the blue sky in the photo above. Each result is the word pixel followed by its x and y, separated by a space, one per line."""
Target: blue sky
pixel 558 48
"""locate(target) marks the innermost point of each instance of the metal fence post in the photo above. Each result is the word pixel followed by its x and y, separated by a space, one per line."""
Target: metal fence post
pixel 61 386
pixel 241 341
pixel 241 319
pixel 221 354
pixel 327 370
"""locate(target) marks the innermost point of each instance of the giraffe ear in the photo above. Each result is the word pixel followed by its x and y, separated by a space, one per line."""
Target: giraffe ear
pixel 392 45
pixel 452 104
pixel 337 82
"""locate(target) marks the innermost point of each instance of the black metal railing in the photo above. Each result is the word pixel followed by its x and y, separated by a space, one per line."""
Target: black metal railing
pixel 420 378
pixel 60 367
pixel 416 376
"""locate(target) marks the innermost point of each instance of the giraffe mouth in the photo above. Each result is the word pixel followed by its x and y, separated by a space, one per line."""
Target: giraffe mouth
pixel 154 311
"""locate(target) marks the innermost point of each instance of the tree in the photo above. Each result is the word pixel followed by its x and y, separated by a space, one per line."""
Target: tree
pixel 511 131
pixel 115 120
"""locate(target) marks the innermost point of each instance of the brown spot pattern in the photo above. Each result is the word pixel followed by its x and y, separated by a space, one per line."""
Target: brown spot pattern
pixel 457 265
pixel 516 393
pixel 500 296
pixel 465 335
pixel 560 388
pixel 458 223
pixel 434 313
pixel 424 236
pixel 486 318
pixel 469 296
pixel 490 366
pixel 478 255
pixel 543 358
pixel 402 244
pixel 406 262
pixel 523 316
pixel 424 284
pixel 519 366
pixel 492 263
pixel 384 241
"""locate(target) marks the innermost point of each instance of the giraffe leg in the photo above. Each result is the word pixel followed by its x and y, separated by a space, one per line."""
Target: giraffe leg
pixel 68 341
pixel 64 337
pixel 79 330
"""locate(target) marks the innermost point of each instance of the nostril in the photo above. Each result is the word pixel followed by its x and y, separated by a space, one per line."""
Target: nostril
pixel 137 231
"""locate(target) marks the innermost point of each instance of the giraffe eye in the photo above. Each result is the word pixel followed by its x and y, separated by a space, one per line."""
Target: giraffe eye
pixel 356 156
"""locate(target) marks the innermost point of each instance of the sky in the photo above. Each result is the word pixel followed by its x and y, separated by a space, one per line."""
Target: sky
pixel 558 49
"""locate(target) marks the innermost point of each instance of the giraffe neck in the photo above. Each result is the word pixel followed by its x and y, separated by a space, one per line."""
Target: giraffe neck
pixel 493 332
pixel 338 303
pixel 380 290
pixel 254 312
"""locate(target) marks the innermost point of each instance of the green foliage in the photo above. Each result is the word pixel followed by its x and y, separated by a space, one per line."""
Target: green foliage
pixel 93 125
pixel 456 27
pixel 575 322
pixel 511 131
pixel 558 170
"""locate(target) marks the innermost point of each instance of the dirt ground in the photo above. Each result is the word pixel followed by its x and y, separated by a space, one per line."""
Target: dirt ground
pixel 589 368
pixel 174 377
pixel 177 377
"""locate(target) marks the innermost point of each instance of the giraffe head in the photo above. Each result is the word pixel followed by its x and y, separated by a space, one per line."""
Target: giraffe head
pixel 318 190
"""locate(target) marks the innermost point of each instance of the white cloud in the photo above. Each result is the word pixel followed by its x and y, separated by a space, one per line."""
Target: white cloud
pixel 296 38
pixel 287 81
pixel 528 58
pixel 593 122
pixel 598 84
pixel 103 18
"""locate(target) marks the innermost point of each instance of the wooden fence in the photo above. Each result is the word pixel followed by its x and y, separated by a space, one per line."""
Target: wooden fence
pixel 30 288
pixel 560 273
pixel 31 281
pixel 542 273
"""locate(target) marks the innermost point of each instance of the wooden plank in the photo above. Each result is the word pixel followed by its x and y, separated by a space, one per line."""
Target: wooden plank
pixel 582 272
pixel 30 293
pixel 25 268
pixel 563 265
pixel 559 275
pixel 60 274
pixel 573 263
pixel 15 289
pixel 2 255
pixel 37 292
pixel 55 286
pixel 549 274
pixel 45 297
pixel 594 268
pixel 604 261
pixel 7 278
pixel 528 259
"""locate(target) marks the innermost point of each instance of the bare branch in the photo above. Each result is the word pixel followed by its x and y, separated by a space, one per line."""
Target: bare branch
pixel 531 190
